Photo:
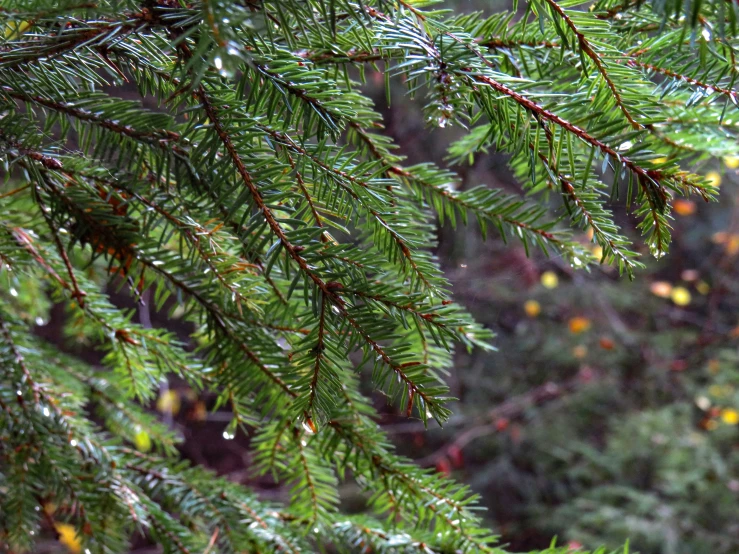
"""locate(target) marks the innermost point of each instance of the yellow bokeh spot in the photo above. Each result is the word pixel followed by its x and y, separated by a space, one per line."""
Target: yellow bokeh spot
pixel 142 441
pixel 590 233
pixel 680 296
pixel 659 161
pixel 732 162
pixel 549 279
pixel 598 252
pixel 68 537
pixel 730 416
pixel 714 177
pixel 702 287
pixel 732 245
pixel 663 289
pixel 532 308
pixel 169 402
pixel 578 325
pixel 684 207
pixel 580 351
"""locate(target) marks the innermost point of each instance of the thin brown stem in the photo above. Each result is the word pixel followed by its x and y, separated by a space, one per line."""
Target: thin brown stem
pixel 587 48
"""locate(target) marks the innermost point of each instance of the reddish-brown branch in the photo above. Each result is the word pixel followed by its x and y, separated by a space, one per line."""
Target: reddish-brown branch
pixel 568 188
pixel 69 40
pixel 276 228
pixel 76 293
pixel 584 45
pixel 651 175
pixel 14 191
pixel 427 317
pixel 159 136
pixel 731 94
pixel 219 315
pixel 306 195
pixel 388 470
pixel 449 195
pixel 406 252
pixel 648 179
pixel 308 477
pixel 318 349
pixel 497 42
pixel 367 141
pixel 256 194
pixel 25 241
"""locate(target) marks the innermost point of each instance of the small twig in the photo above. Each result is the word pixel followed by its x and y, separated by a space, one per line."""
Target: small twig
pixel 514 407
pixel 14 191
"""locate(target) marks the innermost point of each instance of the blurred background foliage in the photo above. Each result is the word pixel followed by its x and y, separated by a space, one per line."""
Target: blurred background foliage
pixel 610 410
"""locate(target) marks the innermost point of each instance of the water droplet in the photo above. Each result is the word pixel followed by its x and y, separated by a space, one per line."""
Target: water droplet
pixel 309 426
pixel 228 435
pixel 13 292
pixel 40 321
pixel 219 63
pixel 46 412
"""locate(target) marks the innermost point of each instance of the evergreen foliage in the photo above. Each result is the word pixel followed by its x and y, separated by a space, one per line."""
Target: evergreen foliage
pixel 258 198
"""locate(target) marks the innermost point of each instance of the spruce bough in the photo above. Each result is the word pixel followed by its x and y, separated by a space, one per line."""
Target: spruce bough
pixel 260 200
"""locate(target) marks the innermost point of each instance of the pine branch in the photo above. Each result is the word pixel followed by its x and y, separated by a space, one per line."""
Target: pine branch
pixel 263 202
pixel 587 49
